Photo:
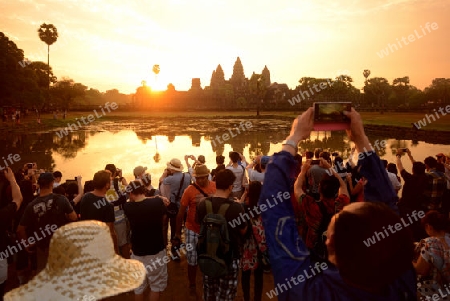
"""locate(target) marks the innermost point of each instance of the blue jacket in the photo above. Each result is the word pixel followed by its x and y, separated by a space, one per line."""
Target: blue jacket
pixel 296 276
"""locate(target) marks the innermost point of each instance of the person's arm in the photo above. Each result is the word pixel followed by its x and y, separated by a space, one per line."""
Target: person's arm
pixel 243 197
pixel 180 217
pixel 186 159
pixel 378 187
pixel 112 230
pixel 399 162
pixel 80 194
pixel 243 160
pixel 350 158
pixel 422 267
pixel 15 190
pixel 410 156
pixel 298 185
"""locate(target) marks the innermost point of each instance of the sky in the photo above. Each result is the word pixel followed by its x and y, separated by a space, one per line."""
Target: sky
pixel 107 44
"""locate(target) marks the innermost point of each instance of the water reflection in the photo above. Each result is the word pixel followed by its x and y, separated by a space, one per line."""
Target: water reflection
pixel 153 145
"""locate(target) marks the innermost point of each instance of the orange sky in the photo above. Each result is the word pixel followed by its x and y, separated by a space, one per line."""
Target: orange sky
pixel 107 44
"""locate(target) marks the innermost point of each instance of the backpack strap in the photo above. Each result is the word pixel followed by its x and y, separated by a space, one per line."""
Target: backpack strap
pixel 223 209
pixel 179 189
pixel 199 189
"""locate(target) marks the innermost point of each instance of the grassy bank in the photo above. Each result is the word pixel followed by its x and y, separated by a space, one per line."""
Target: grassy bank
pixel 29 123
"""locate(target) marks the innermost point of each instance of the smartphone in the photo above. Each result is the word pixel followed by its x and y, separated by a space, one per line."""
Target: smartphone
pixel 404 149
pixel 29 165
pixel 329 116
pixel 71 181
pixel 315 162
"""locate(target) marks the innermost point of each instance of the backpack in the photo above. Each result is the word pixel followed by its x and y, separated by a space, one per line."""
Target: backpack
pixel 213 248
pixel 320 249
pixel 47 212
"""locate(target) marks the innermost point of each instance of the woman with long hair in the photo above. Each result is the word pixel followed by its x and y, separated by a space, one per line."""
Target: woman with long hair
pixel 254 245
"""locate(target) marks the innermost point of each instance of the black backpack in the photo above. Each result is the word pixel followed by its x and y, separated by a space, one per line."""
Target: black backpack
pixel 213 248
pixel 53 215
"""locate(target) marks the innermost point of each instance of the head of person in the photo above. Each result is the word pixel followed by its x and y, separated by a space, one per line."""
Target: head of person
pixel 88 186
pixel 71 190
pixel 174 165
pixel 136 189
pixel 201 159
pixel 254 191
pixel 309 155
pixel 435 222
pixel 326 156
pixel 264 161
pixel 102 180
pixel 146 179
pixel 391 167
pixel 139 171
pixel 225 179
pixel 430 163
pixel 339 163
pixel 317 152
pixel 220 160
pixel 60 190
pixel 418 168
pixel 367 255
pixel 57 175
pixel 385 163
pixel 440 158
pixel 201 174
pixel 46 180
pixel 234 157
pixel 329 187
pixel 112 168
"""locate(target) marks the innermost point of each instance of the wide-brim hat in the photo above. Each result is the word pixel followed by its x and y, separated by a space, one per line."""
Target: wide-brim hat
pixel 175 164
pixel 81 262
pixel 201 171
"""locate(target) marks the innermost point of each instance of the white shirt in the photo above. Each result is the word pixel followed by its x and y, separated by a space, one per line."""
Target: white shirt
pixel 394 180
pixel 254 175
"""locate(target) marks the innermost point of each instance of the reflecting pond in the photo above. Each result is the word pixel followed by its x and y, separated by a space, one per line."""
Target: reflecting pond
pixel 153 143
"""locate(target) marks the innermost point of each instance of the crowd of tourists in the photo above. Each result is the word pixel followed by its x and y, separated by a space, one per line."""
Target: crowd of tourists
pixel 327 229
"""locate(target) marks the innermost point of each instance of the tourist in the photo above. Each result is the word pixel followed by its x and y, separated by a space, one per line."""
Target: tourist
pixel 7 214
pixel 74 193
pixel 118 196
pixel 220 160
pixel 191 197
pixel 48 209
pixel 253 174
pixel 382 271
pixel 57 175
pixel 254 245
pixel 224 288
pixel 197 162
pixel 94 205
pixel 413 197
pixel 238 170
pixel 81 266
pixel 436 184
pixel 356 191
pixel 396 185
pixel 446 201
pixel 147 217
pixel 173 182
pixel 315 174
pixel 333 196
pixel 433 262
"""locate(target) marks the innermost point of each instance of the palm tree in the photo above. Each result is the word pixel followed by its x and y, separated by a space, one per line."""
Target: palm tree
pixel 48 34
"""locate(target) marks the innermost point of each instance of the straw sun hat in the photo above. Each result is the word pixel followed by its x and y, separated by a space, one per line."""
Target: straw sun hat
pixel 82 265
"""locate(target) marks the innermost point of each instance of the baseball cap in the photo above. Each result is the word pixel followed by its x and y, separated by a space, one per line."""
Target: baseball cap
pixel 45 178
